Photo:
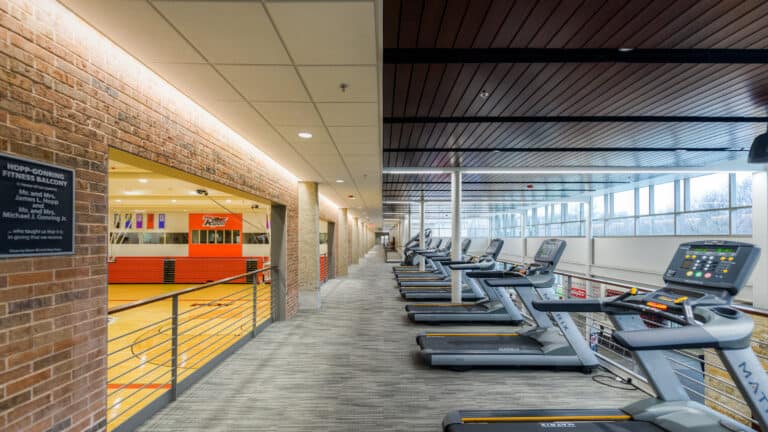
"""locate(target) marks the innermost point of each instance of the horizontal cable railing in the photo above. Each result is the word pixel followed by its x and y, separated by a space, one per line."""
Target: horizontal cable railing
pixel 161 345
pixel 700 371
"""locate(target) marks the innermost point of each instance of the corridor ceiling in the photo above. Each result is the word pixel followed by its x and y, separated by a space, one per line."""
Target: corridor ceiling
pixel 269 70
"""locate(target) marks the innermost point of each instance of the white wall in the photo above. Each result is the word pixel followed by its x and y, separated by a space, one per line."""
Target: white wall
pixel 634 260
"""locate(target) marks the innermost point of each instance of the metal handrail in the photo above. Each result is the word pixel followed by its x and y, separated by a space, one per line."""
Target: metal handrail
pixel 219 322
pixel 743 308
pixel 746 309
pixel 148 300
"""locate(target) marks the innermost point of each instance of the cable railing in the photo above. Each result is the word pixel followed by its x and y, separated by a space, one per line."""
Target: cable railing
pixel 700 371
pixel 160 346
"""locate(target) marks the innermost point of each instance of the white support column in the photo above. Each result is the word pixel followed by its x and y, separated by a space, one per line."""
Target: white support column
pixel 589 244
pixel 523 234
pixel 422 240
pixel 760 238
pixel 456 282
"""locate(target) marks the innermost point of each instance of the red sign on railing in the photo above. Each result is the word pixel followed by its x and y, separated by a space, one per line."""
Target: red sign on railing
pixel 578 293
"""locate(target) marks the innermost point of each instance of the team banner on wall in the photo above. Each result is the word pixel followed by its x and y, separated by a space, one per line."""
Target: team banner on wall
pixel 37 212
pixel 161 220
pixel 139 221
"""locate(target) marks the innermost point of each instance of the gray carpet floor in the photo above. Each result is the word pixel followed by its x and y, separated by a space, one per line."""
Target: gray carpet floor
pixel 353 366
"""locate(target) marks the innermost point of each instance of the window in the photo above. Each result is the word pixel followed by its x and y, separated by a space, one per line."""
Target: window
pixel 176 238
pixel 598 207
pixel 715 204
pixel 643 200
pixel 708 192
pixel 623 203
pixel 699 223
pixel 573 212
pixel 742 190
pixel 741 221
pixel 664 198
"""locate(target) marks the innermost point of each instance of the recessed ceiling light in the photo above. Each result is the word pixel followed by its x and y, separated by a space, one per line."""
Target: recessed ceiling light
pixel 484 94
pixel 143 180
pixel 173 200
pixel 305 135
pixel 119 200
pixel 229 201
pixel 133 193
pixel 625 49
pixel 339 181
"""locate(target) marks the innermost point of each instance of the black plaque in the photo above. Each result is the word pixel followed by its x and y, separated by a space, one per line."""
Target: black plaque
pixel 37 208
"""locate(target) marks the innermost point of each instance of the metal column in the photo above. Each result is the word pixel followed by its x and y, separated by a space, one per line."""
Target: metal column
pixel 456 282
pixel 422 240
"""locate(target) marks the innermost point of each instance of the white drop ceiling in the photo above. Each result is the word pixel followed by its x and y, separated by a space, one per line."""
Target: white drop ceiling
pixel 270 69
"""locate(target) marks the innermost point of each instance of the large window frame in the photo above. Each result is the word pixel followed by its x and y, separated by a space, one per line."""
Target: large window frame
pixel 682 207
pixel 555 223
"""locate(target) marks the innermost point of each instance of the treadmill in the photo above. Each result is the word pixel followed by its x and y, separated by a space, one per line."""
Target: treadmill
pixel 431 244
pixel 441 290
pixel 700 284
pixel 497 307
pixel 555 343
pixel 412 244
pixel 432 270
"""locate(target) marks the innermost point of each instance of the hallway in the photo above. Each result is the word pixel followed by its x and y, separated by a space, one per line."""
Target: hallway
pixel 354 366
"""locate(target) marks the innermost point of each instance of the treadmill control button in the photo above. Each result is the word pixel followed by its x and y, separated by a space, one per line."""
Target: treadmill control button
pixel 707 275
pixel 689 273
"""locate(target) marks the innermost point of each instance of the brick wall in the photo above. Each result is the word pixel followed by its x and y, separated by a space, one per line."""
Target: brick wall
pixel 66 97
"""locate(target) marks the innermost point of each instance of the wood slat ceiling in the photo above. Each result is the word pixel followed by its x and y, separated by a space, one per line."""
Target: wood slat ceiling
pixel 568 89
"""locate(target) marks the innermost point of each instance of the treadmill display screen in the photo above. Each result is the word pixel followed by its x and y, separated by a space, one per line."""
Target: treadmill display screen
pixel 712 264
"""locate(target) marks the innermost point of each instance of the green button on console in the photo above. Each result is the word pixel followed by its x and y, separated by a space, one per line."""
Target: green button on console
pixel 698 274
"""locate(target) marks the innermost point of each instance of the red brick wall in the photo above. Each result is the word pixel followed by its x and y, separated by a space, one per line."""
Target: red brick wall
pixel 65 99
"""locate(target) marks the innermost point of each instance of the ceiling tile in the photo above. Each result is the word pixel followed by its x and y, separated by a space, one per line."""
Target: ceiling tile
pixel 289 113
pixel 238 115
pixel 227 31
pixel 319 144
pixel 266 83
pixel 198 81
pixel 327 32
pixel 324 83
pixel 363 167
pixel 356 140
pixel 349 114
pixel 118 20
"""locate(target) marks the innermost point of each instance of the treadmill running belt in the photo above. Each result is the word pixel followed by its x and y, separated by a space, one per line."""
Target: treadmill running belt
pixel 466 343
pixel 619 426
pixel 448 309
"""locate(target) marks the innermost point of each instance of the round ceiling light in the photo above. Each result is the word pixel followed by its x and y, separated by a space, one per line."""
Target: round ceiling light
pixel 305 135
pixel 339 181
pixel 143 180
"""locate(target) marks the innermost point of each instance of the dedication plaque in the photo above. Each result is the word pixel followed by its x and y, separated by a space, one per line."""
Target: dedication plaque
pixel 37 208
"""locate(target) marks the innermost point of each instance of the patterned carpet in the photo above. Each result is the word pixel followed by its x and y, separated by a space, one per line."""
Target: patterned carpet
pixel 353 367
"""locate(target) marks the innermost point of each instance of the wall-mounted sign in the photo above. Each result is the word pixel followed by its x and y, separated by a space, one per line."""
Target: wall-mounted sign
pixel 37 211
pixel 214 221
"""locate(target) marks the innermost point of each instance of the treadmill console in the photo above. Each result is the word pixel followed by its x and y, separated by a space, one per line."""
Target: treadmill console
pixel 550 251
pixel 712 264
pixel 494 248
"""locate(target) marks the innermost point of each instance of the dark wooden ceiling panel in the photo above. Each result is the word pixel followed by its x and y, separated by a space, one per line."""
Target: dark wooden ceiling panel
pixel 574 24
pixel 473 95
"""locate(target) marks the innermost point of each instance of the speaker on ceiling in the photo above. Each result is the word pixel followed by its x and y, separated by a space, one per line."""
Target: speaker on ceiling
pixel 758 153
